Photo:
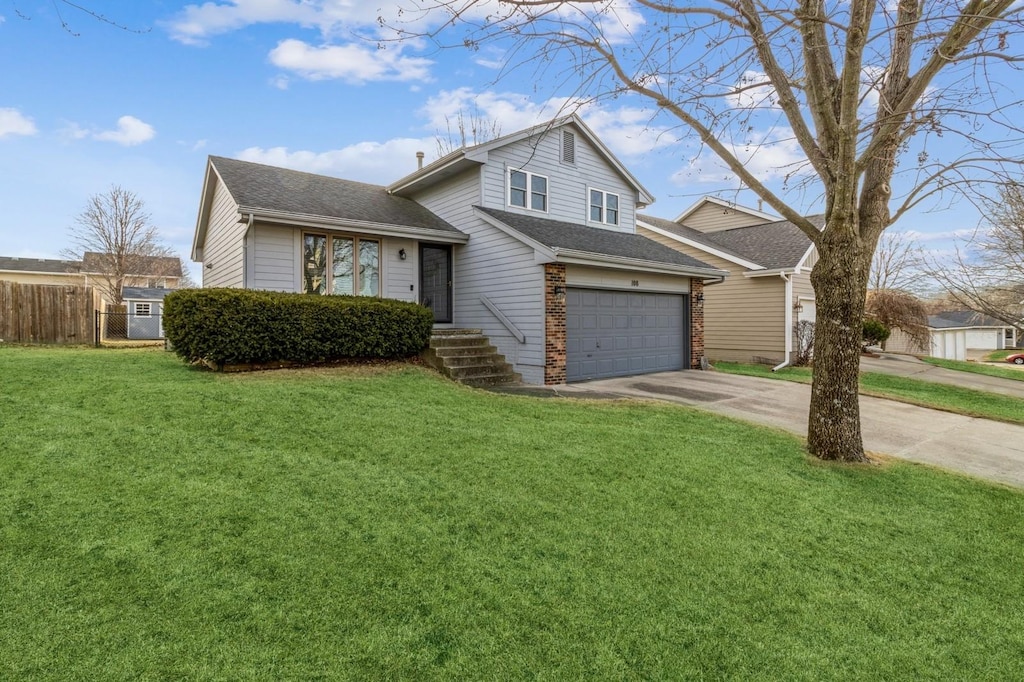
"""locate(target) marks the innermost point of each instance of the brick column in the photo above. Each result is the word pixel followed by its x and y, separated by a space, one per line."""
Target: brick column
pixel 696 323
pixel 554 324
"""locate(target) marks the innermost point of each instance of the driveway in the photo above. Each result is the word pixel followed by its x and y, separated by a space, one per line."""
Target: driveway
pixel 909 366
pixel 978 447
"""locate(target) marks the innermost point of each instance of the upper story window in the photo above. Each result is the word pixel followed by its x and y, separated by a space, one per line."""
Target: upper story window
pixel 604 207
pixel 336 264
pixel 527 190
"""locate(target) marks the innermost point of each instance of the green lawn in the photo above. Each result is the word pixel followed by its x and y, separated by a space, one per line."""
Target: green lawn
pixel 979 368
pixel 160 522
pixel 964 401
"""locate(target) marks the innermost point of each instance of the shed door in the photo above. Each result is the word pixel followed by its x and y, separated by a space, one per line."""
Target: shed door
pixel 619 333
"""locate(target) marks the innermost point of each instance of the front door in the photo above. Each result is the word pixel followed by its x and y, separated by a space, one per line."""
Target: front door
pixel 436 280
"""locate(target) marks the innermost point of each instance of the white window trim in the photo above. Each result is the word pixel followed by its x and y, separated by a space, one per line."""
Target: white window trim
pixel 604 207
pixel 148 307
pixel 529 190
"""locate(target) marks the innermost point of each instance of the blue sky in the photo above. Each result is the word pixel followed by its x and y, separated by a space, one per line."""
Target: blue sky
pixel 276 81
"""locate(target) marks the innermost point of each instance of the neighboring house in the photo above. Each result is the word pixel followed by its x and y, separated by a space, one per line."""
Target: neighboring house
pixel 150 271
pixel 146 271
pixel 530 237
pixel 953 333
pixel 751 316
pixel 40 271
pixel 145 308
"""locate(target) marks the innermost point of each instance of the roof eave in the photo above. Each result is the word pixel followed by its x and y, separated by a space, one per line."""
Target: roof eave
pixel 368 227
pixel 721 202
pixel 774 272
pixel 701 246
pixel 576 257
pixel 422 177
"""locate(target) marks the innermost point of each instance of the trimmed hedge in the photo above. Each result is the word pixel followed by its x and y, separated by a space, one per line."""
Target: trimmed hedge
pixel 239 326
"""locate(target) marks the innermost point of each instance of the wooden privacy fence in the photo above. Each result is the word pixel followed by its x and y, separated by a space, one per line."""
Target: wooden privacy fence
pixel 46 313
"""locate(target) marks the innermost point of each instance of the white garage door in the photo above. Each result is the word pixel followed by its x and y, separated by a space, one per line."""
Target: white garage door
pixel 619 333
pixel 987 339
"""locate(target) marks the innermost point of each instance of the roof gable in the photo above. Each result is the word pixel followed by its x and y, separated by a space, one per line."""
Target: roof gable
pixel 468 157
pixel 708 202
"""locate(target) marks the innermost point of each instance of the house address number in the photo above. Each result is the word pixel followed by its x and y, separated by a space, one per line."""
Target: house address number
pixel 634 282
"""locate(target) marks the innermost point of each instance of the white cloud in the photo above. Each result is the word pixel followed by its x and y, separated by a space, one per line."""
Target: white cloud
pixel 352 63
pixel 375 162
pixel 753 92
pixel 769 156
pixel 130 131
pixel 13 122
pixel 627 130
pixel 196 24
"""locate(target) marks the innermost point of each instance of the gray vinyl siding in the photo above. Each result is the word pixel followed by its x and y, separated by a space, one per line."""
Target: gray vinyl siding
pixel 497 266
pixel 568 184
pixel 743 317
pixel 276 254
pixel 223 253
pixel 714 217
pixel 582 276
pixel 273 258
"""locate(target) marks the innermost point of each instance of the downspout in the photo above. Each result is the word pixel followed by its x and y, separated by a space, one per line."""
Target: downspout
pixel 788 279
pixel 245 253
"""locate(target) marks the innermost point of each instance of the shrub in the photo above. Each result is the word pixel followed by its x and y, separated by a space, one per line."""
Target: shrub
pixel 239 326
pixel 874 332
pixel 803 332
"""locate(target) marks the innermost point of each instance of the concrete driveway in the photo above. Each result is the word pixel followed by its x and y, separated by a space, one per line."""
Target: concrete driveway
pixel 982 448
pixel 909 366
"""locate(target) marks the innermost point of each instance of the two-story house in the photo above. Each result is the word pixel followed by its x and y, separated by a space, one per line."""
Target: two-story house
pixel 530 237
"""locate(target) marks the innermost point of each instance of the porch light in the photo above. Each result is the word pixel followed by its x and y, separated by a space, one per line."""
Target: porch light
pixel 559 291
pixel 401 254
pixel 700 298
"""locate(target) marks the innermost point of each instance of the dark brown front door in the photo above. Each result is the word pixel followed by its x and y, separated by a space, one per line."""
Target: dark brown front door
pixel 436 280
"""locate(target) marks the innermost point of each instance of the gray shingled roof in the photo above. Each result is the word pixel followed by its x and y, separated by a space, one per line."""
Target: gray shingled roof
pixel 256 186
pixel 556 234
pixel 16 264
pixel 144 293
pixel 147 266
pixel 776 245
pixel 962 318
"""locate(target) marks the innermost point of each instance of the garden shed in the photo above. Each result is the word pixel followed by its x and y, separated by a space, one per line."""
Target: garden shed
pixel 145 307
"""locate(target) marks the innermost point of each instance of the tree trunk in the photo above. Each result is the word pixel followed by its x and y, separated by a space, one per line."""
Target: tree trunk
pixel 840 282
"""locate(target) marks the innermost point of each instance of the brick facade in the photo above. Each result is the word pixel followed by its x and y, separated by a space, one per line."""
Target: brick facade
pixel 554 324
pixel 696 322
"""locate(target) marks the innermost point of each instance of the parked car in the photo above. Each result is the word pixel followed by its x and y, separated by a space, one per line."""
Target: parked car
pixel 1016 358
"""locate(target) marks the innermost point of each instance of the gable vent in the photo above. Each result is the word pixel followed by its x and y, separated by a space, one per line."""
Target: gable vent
pixel 568 147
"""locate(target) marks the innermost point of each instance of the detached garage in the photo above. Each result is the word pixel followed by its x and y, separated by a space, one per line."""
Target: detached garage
pixel 619 333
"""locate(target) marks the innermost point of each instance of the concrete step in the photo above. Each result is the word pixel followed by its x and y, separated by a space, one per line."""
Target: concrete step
pixel 467 356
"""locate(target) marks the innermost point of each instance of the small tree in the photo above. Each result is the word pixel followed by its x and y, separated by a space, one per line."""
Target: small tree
pixel 899 310
pixel 874 332
pixel 116 226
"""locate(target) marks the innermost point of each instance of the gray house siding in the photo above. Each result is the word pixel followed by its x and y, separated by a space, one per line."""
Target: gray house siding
pixel 148 326
pixel 568 184
pixel 274 254
pixel 223 255
pixel 498 267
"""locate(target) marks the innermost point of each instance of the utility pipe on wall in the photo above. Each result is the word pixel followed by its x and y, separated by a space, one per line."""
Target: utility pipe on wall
pixel 788 279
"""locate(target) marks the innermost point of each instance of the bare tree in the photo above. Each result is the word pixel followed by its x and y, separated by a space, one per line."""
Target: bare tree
pixel 467 131
pixel 80 8
pixel 897 264
pixel 862 89
pixel 987 273
pixel 119 244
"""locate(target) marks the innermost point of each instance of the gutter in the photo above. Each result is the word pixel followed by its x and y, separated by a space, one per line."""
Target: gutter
pixel 788 279
pixel 573 256
pixel 381 229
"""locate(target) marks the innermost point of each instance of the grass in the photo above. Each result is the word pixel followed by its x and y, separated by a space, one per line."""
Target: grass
pixel 965 401
pixel 979 368
pixel 160 522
